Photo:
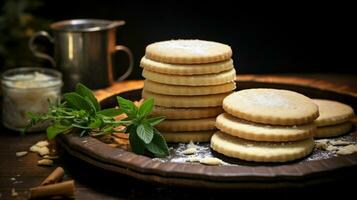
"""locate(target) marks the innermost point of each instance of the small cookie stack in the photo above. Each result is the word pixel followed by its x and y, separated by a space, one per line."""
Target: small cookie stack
pixel 266 125
pixel 188 80
pixel 334 120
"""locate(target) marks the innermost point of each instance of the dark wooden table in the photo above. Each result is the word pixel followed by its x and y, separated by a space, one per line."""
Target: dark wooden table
pixel 20 174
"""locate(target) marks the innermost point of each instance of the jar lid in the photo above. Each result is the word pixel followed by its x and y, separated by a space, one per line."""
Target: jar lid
pixel 31 78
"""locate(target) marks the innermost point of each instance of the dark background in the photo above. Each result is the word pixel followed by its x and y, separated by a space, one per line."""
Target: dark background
pixel 265 38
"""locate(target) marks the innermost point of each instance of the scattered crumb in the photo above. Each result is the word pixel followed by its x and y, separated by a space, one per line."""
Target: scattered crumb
pixel 44 151
pixel 43 143
pixel 45 162
pixel 321 145
pixel 193 159
pixel 349 149
pixel 14 193
pixel 340 143
pixel 211 161
pixel 189 151
pixel 21 153
pixel 35 148
pixel 50 157
pixel 331 148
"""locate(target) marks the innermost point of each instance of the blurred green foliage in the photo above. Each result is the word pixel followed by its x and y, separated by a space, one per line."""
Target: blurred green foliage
pixel 17 25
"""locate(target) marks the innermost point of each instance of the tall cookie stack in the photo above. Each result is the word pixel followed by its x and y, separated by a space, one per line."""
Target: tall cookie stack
pixel 334 120
pixel 188 80
pixel 266 125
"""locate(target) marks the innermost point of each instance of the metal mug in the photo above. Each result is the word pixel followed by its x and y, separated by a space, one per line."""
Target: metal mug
pixel 83 50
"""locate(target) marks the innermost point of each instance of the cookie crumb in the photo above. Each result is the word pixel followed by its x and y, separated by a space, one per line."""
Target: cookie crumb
pixel 43 143
pixel 189 151
pixel 50 157
pixel 34 148
pixel 43 151
pixel 321 145
pixel 193 159
pixel 331 148
pixel 340 142
pixel 45 162
pixel 21 153
pixel 211 161
pixel 349 149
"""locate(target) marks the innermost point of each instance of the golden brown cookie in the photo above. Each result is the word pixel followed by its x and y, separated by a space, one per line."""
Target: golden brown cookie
pixel 260 151
pixel 213 100
pixel 333 130
pixel 271 106
pixel 188 51
pixel 262 132
pixel 186 113
pixel 161 88
pixel 186 69
pixel 194 80
pixel 332 112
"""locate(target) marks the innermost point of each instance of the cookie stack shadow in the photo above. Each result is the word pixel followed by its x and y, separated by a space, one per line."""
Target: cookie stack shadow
pixel 188 80
pixel 266 125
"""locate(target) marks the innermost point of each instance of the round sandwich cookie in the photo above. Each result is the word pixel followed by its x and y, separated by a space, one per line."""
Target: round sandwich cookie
pixel 271 106
pixel 188 136
pixel 176 125
pixel 262 132
pixel 186 69
pixel 186 113
pixel 196 80
pixel 260 151
pixel 333 130
pixel 188 51
pixel 332 112
pixel 213 100
pixel 188 90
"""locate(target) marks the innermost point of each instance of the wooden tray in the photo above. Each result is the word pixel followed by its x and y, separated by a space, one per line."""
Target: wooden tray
pixel 317 168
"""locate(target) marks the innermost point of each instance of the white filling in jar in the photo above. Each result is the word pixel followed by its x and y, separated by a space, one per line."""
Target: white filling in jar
pixel 28 90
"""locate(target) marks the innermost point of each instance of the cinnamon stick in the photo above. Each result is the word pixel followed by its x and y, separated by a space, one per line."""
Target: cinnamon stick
pixel 54 177
pixel 65 188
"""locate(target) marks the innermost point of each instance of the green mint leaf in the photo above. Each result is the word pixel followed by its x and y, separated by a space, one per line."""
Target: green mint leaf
pixel 155 120
pixel 128 106
pixel 76 101
pixel 146 107
pixel 158 145
pixel 54 130
pixel 95 123
pixel 90 103
pixel 86 92
pixel 145 132
pixel 110 112
pixel 136 144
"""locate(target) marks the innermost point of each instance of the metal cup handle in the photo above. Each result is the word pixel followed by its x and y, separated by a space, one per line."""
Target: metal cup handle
pixel 131 61
pixel 38 54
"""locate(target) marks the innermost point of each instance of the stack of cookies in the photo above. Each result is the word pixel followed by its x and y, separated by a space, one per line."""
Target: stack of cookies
pixel 334 119
pixel 266 125
pixel 188 80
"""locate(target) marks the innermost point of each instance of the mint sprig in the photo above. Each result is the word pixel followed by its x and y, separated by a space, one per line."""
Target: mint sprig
pixel 80 112
pixel 143 136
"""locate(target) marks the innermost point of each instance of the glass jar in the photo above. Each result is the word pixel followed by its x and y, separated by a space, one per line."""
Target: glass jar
pixel 28 90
